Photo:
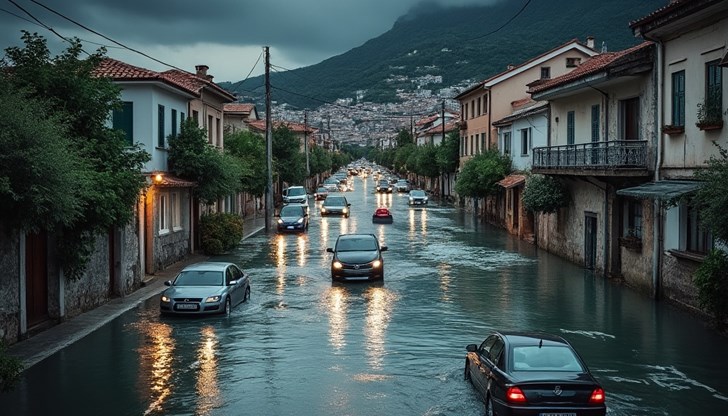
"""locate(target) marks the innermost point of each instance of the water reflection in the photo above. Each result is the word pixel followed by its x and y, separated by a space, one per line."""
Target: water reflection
pixel 156 362
pixel 384 200
pixel 337 305
pixel 380 303
pixel 208 392
pixel 302 241
pixel 443 272
pixel 423 221
pixel 280 261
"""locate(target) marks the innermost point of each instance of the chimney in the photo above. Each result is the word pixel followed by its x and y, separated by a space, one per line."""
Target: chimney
pixel 590 42
pixel 208 77
pixel 202 70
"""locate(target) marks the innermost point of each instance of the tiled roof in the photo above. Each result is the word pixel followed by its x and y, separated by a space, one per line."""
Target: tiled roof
pixel 449 126
pixel 238 108
pixel 121 71
pixel 535 108
pixel 512 180
pixel 592 66
pixel 171 181
pixel 426 120
pixel 195 83
pixel 294 127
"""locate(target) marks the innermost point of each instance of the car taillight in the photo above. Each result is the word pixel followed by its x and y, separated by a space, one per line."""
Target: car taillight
pixel 515 395
pixel 597 396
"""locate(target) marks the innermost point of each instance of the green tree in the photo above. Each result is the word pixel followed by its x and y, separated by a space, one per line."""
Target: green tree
pixel 480 175
pixel 426 161
pixel 191 157
pixel 544 194
pixel 288 161
pixel 448 153
pixel 404 138
pixel 249 148
pixel 402 157
pixel 712 198
pixel 320 160
pixel 109 169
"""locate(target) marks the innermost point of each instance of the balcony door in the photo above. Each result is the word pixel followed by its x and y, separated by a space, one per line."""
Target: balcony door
pixel 629 119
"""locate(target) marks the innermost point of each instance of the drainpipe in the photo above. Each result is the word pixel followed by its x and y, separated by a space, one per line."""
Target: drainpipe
pixel 657 236
pixel 605 242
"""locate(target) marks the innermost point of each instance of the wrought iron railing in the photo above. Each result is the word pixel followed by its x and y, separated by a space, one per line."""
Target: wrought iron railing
pixel 614 154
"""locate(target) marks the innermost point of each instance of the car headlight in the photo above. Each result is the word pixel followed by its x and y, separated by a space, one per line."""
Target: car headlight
pixel 411 199
pixel 165 299
pixel 376 264
pixel 300 221
pixel 337 265
pixel 344 210
pixel 323 209
pixel 212 299
pixel 377 188
pixel 425 199
pixel 280 221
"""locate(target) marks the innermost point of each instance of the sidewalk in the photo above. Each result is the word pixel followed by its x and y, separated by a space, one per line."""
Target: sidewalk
pixel 33 350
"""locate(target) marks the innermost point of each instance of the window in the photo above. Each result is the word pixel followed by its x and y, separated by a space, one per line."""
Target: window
pixel 678 98
pixel 477 112
pixel 174 123
pixel 218 132
pixel 485 104
pixel 714 88
pixel 545 72
pixel 572 62
pixel 629 119
pixel 570 127
pixel 472 109
pixel 632 219
pixel 507 143
pixel 160 126
pixel 196 116
pixel 175 211
pixel 482 141
pixel 698 239
pixel 123 119
pixel 210 137
pixel 163 213
pixel 465 111
pixel 525 141
pixel 595 123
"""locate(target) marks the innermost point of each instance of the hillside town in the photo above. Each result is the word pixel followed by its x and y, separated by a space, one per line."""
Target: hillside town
pixel 591 155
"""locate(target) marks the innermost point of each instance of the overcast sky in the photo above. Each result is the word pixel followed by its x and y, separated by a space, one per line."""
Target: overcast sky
pixel 226 35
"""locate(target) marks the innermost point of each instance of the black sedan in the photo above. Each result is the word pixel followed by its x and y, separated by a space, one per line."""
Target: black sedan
pixel 293 218
pixel 357 257
pixel 536 374
pixel 335 205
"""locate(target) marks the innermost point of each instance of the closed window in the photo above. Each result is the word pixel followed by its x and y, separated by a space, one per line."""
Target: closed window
pixel 174 123
pixel 160 126
pixel 595 123
pixel 632 218
pixel 572 62
pixel 477 112
pixel 210 137
pixel 507 143
pixel 163 213
pixel 525 141
pixel 714 89
pixel 698 239
pixel 123 119
pixel 570 129
pixel 678 98
pixel 465 111
pixel 175 211
pixel 545 72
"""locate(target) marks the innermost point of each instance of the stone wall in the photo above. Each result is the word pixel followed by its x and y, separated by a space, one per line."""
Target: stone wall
pixel 9 286
pixel 171 248
pixel 92 289
pixel 677 284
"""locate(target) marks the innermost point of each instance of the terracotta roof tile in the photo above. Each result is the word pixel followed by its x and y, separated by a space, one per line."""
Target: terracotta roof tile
pixel 591 66
pixel 238 108
pixel 121 71
pixel 196 83
pixel 294 127
pixel 512 180
pixel 449 126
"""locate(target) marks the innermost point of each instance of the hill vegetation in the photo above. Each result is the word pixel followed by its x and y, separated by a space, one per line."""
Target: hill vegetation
pixel 460 44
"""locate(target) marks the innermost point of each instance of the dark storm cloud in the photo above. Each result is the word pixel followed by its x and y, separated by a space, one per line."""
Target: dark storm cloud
pixel 306 31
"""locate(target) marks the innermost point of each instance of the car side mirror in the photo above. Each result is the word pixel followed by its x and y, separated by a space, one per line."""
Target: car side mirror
pixel 232 283
pixel 348 205
pixel 471 348
pixel 384 248
pixel 168 283
pixel 329 250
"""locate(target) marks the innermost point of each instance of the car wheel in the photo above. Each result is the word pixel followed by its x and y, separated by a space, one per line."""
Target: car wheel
pixel 488 406
pixel 247 294
pixel 228 307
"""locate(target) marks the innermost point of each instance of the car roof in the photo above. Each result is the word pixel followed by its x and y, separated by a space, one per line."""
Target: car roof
pixel 531 337
pixel 211 266
pixel 353 236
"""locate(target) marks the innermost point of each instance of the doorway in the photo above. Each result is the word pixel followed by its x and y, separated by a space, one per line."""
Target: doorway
pixel 590 240
pixel 36 278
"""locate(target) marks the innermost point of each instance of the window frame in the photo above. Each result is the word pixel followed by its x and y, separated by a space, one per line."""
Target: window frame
pixel 632 218
pixel 678 98
pixel 595 122
pixel 525 141
pixel 163 213
pixel 570 127
pixel 161 136
pixel 507 145
pixel 123 119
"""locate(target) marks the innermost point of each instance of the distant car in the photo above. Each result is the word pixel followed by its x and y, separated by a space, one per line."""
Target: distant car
pixel 402 185
pixel 321 193
pixel 417 197
pixel 519 373
pixel 335 205
pixel 205 288
pixel 357 257
pixel 383 186
pixel 382 216
pixel 331 184
pixel 293 217
pixel 295 195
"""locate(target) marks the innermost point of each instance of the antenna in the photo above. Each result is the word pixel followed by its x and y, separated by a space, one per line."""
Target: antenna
pixel 540 343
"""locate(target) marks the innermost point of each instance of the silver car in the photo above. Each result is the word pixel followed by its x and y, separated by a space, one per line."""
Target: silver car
pixel 417 197
pixel 205 288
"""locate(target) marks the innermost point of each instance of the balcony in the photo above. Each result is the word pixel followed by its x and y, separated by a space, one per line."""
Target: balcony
pixel 613 158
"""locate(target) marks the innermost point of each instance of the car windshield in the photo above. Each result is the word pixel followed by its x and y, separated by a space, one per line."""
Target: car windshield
pixel 291 211
pixel 333 200
pixel 296 191
pixel 545 358
pixel 199 278
pixel 321 190
pixel 417 193
pixel 385 183
pixel 356 244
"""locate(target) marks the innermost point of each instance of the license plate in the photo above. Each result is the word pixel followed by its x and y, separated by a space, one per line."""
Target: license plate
pixel 557 414
pixel 290 227
pixel 187 306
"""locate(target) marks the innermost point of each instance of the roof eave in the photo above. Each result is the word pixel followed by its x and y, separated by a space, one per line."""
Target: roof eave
pixel 570 87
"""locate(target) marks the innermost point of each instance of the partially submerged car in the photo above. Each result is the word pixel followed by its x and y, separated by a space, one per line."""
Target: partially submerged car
pixel 382 216
pixel 357 257
pixel 205 288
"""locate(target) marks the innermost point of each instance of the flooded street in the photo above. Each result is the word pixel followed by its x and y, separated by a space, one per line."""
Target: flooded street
pixel 305 346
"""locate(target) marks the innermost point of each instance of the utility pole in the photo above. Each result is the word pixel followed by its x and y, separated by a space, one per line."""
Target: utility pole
pixel 305 141
pixel 442 143
pixel 268 145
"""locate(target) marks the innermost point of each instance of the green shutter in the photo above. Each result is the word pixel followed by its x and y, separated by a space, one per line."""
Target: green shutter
pixel 570 128
pixel 678 98
pixel 123 119
pixel 595 123
pixel 160 126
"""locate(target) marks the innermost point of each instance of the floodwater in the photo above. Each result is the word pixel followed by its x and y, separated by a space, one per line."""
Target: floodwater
pixel 305 346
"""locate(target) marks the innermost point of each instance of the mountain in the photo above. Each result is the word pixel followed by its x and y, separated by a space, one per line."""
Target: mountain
pixel 461 44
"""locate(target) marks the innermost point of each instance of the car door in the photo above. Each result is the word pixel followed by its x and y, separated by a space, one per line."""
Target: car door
pixel 239 287
pixel 479 368
pixel 231 289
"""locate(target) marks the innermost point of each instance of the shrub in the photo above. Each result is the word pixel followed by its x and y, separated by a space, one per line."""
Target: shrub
pixel 10 368
pixel 220 232
pixel 711 279
pixel 544 194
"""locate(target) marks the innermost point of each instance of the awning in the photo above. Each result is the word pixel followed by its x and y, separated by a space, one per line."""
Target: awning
pixel 512 180
pixel 661 190
pixel 166 180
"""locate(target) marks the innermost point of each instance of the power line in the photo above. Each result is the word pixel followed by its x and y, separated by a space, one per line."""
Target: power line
pixel 43 24
pixel 253 68
pixel 502 26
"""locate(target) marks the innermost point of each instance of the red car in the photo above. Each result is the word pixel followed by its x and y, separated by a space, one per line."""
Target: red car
pixel 382 216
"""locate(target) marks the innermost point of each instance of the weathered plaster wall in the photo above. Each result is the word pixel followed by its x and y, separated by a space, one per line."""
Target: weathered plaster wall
pixel 677 285
pixel 636 266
